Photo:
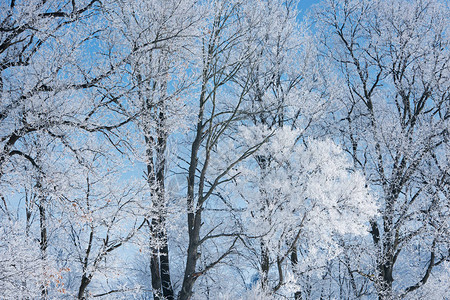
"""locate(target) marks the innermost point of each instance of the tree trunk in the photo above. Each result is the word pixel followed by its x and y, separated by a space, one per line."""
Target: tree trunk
pixel 294 261
pixel 43 241
pixel 385 262
pixel 190 276
pixel 154 263
pixel 386 279
pixel 85 280
pixel 154 222
pixel 159 261
pixel 265 265
pixel 164 265
pixel 194 213
pixel 160 265
pixel 165 271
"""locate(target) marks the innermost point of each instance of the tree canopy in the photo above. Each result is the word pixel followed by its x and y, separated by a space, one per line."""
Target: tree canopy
pixel 225 149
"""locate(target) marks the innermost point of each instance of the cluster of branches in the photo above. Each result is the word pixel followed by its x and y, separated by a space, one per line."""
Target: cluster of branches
pixel 222 149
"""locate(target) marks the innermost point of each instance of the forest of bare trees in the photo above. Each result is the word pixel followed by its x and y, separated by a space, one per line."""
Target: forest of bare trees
pixel 224 149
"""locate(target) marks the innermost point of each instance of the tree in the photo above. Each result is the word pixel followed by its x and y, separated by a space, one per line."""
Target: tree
pixel 254 67
pixel 226 46
pixel 49 98
pixel 97 217
pixel 224 149
pixel 156 37
pixel 393 61
pixel 23 272
pixel 289 95
pixel 300 204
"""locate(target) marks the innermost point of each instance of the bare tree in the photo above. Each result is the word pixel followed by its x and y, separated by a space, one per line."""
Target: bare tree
pixel 49 98
pixel 393 58
pixel 158 36
pixel 227 46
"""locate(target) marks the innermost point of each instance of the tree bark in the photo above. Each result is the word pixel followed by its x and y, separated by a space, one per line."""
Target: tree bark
pixel 154 263
pixel 265 265
pixel 43 241
pixel 165 272
pixel 159 261
pixel 85 280
pixel 190 276
pixel 294 261
pixel 194 214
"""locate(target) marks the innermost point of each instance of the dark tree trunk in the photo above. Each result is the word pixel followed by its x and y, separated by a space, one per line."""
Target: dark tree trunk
pixel 43 241
pixel 85 280
pixel 154 222
pixel 265 265
pixel 294 261
pixel 154 263
pixel 385 278
pixel 159 261
pixel 190 276
pixel 194 213
pixel 165 272
pixel 385 261
pixel 164 264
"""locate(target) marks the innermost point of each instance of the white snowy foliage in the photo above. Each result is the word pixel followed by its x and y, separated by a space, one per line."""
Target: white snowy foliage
pixel 22 270
pixel 107 107
pixel 303 192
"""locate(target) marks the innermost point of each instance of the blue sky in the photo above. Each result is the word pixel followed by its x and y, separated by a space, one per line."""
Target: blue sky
pixel 304 5
pixel 307 3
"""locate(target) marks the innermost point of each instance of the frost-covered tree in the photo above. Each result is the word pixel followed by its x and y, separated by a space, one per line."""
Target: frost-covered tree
pixel 156 37
pixel 289 93
pixel 227 44
pixel 393 60
pixel 23 272
pixel 97 219
pixel 51 112
pixel 220 150
pixel 300 204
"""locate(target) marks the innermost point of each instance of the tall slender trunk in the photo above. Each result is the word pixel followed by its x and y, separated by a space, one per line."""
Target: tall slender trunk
pixel 165 271
pixel 190 276
pixel 294 261
pixel 194 213
pixel 265 265
pixel 159 260
pixel 154 262
pixel 43 241
pixel 385 261
pixel 164 265
pixel 154 225
pixel 263 162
